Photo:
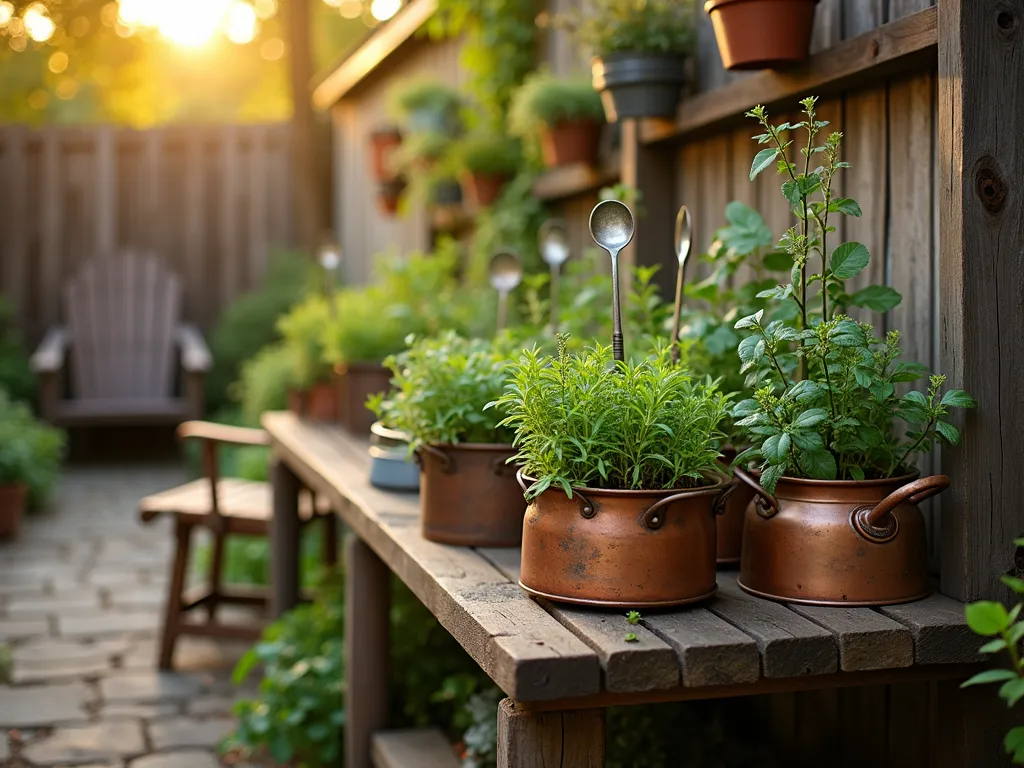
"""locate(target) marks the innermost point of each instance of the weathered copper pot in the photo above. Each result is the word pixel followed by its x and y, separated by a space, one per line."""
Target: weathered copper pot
pixel 321 402
pixel 469 495
pixel 622 549
pixel 730 522
pixel 356 382
pixel 842 542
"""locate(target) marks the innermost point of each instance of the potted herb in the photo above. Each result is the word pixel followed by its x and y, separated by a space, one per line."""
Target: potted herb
pixel 762 34
pixel 640 49
pixel 302 331
pixel 30 459
pixel 469 496
pixel 384 142
pixel 564 115
pixel 836 520
pixel 619 462
pixel 429 107
pixel 488 162
pixel 389 195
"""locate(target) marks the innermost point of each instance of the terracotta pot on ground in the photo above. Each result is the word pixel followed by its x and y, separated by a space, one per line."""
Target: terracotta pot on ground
pixel 634 84
pixel 469 495
pixel 622 549
pixel 389 194
pixel 355 383
pixel 730 522
pixel 484 188
pixel 13 499
pixel 383 143
pixel 322 402
pixel 762 34
pixel 840 542
pixel 570 141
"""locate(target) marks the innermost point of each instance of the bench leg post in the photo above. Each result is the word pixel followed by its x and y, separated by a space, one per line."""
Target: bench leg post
pixel 570 739
pixel 367 611
pixel 284 539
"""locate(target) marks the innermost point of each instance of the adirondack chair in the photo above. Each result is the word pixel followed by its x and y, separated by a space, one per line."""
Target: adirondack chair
pixel 122 339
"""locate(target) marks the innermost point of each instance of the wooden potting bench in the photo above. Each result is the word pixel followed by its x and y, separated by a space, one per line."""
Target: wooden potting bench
pixel 561 666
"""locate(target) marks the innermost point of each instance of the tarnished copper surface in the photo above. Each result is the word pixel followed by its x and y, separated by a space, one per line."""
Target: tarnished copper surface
pixel 356 382
pixel 730 522
pixel 837 542
pixel 469 495
pixel 622 549
pixel 321 402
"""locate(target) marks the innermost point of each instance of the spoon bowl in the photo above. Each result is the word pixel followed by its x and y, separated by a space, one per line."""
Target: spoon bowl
pixel 612 226
pixel 684 239
pixel 554 242
pixel 505 272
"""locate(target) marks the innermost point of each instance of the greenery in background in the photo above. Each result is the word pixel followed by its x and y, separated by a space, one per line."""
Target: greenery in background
pixel 6 663
pixel 303 332
pixel 31 451
pixel 250 323
pixel 428 106
pixel 264 382
pixel 637 26
pixel 441 386
pixel 1006 628
pixel 510 224
pixel 16 376
pixel 585 421
pixel 824 386
pixel 544 100
pixel 489 153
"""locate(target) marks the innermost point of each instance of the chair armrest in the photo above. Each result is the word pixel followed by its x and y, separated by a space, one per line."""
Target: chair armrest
pixel 195 355
pixel 50 354
pixel 222 433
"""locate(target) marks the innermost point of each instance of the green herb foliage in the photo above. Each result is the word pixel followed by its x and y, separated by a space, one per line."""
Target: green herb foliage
pixel 441 386
pixel 264 382
pixel 428 96
pixel 543 100
pixel 303 332
pixel 31 451
pixel 1006 628
pixel 15 374
pixel 639 26
pixel 489 153
pixel 584 421
pixel 825 388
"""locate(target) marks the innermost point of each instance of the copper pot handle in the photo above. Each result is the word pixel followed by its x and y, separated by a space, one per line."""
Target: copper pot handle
pixel 499 466
pixel 587 508
pixel 914 492
pixel 765 503
pixel 653 521
pixel 447 462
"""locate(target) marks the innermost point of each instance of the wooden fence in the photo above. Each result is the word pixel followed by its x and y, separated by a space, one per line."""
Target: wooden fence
pixel 213 201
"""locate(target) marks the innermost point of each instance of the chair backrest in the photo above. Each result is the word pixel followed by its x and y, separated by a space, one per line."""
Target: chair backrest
pixel 122 314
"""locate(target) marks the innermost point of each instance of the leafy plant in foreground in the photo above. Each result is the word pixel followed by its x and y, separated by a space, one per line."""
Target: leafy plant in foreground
pixel 31 451
pixel 587 421
pixel 991 619
pixel 825 388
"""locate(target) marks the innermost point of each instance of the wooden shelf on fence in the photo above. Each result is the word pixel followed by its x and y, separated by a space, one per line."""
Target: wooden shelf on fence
pixel 904 45
pixel 453 219
pixel 570 180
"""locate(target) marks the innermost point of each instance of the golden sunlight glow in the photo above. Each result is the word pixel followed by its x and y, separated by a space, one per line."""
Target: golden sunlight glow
pixel 382 10
pixel 350 9
pixel 241 24
pixel 38 24
pixel 266 9
pixel 193 23
pixel 58 62
pixel 6 13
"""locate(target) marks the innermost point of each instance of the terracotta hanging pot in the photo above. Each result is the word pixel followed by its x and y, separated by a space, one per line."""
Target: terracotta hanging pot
pixel 634 84
pixel 730 522
pixel 484 188
pixel 389 194
pixel 762 34
pixel 13 500
pixel 383 143
pixel 570 141
pixel 469 495
pixel 322 402
pixel 356 382
pixel 622 549
pixel 840 542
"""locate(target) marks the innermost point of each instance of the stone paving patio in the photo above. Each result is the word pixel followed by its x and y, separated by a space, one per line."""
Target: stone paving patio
pixel 81 594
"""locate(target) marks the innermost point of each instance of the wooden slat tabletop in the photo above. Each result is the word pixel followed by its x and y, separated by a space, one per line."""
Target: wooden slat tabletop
pixel 539 651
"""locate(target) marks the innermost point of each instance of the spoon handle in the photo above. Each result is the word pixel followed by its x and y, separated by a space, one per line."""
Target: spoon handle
pixel 554 297
pixel 502 309
pixel 675 315
pixel 617 348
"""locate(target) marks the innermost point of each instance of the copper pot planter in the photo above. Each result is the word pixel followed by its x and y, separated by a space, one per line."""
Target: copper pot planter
pixel 622 549
pixel 762 34
pixel 469 495
pixel 383 143
pixel 356 382
pixel 320 402
pixel 843 543
pixel 484 188
pixel 730 522
pixel 13 500
pixel 570 141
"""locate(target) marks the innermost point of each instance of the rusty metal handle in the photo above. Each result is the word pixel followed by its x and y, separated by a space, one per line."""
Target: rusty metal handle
pixel 447 462
pixel 723 497
pixel 499 466
pixel 765 503
pixel 914 492
pixel 652 517
pixel 587 508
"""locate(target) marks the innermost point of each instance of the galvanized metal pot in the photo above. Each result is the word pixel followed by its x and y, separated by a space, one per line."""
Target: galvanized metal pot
pixel 841 542
pixel 622 549
pixel 730 522
pixel 637 84
pixel 357 382
pixel 391 466
pixel 469 495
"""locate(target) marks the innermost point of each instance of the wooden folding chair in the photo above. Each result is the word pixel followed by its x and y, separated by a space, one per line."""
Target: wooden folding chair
pixel 225 507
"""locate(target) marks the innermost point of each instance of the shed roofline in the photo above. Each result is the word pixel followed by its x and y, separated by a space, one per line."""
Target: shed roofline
pixel 369 55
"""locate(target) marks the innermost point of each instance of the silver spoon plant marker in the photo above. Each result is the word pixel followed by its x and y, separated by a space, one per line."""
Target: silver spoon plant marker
pixel 554 249
pixel 611 226
pixel 684 238
pixel 506 272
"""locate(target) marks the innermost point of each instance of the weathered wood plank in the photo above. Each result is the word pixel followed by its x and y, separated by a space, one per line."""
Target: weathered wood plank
pixel 790 645
pixel 571 180
pixel 941 634
pixel 419 748
pixel 866 639
pixel 573 739
pixel 523 649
